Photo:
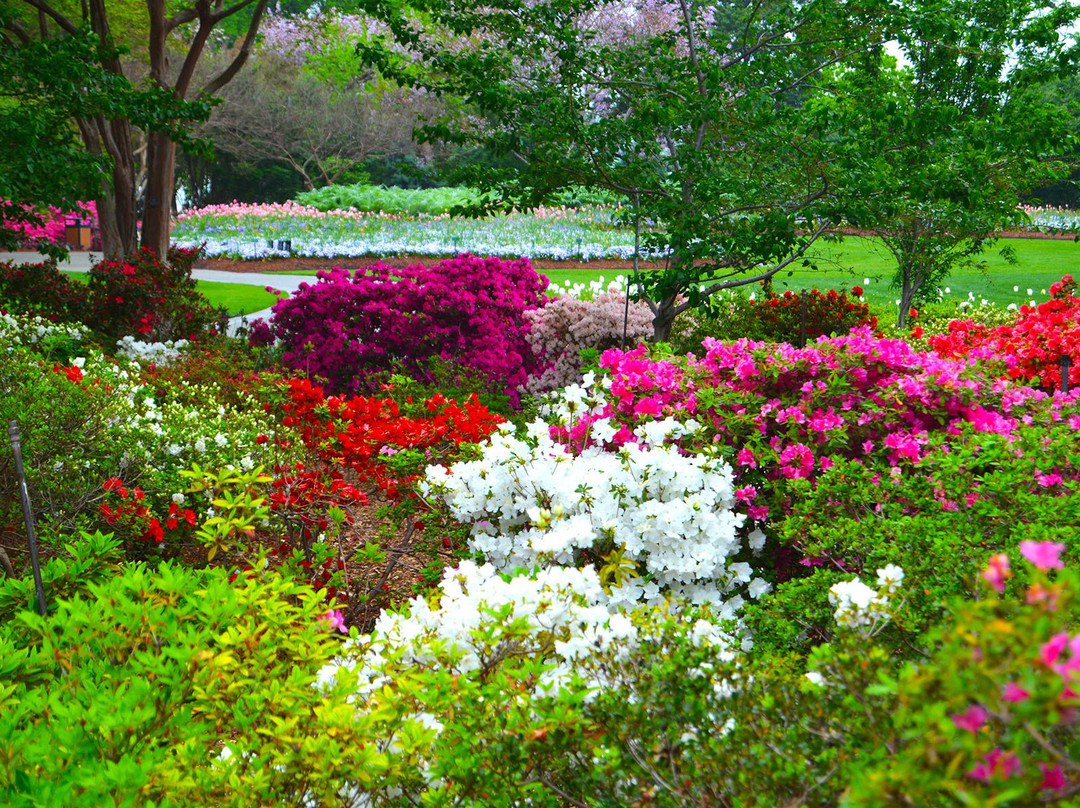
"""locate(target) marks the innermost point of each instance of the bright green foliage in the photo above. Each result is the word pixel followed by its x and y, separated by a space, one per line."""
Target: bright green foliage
pixel 996 656
pixel 129 693
pixel 939 521
pixel 234 494
pixel 937 153
pixel 376 198
pixel 86 559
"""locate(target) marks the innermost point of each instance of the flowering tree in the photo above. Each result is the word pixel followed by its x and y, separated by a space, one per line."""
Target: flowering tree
pixel 692 110
pixel 294 107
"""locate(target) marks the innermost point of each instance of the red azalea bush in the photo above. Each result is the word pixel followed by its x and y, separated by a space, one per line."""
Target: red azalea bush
pixel 129 516
pixel 41 289
pixel 350 327
pixel 145 295
pixel 141 295
pixel 771 317
pixel 375 439
pixel 1032 345
pixel 780 317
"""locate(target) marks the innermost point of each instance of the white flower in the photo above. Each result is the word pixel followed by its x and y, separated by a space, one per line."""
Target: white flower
pixel 890 577
pixel 220 439
pixel 178 499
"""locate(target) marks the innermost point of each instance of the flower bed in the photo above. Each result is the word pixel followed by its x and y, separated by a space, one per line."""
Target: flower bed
pixel 254 231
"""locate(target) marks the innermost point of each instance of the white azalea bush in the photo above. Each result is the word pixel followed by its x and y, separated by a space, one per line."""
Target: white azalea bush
pixel 496 662
pixel 659 522
pixel 159 353
pixel 87 419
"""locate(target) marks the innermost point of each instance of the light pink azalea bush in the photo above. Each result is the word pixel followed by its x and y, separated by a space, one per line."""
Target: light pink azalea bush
pixel 565 327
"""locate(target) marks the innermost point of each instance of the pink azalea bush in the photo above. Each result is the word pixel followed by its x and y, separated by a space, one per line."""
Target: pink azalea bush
pixel 350 327
pixel 52 229
pixel 784 413
pixel 565 327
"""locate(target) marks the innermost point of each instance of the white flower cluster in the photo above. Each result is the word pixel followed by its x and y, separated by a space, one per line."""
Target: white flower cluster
pixel 670 515
pixel 859 606
pixel 27 329
pixel 559 614
pixel 160 353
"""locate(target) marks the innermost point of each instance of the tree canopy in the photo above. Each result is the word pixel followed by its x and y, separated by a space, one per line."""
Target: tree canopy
pixel 706 114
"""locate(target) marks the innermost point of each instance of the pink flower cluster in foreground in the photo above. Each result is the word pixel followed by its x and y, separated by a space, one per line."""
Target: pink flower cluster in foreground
pixel 787 413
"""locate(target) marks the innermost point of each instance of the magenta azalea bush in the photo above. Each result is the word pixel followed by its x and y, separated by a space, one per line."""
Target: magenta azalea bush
pixel 785 416
pixel 470 311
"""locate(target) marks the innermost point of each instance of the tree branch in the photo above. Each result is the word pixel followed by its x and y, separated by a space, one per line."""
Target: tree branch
pixel 225 76
pixel 68 26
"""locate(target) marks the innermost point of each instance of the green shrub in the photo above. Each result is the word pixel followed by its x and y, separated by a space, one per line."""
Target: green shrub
pixel 376 198
pixel 769 317
pixel 939 521
pixel 173 687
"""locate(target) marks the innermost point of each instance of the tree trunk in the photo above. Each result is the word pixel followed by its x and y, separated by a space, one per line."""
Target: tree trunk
pixel 160 182
pixel 907 293
pixel 664 319
pixel 116 202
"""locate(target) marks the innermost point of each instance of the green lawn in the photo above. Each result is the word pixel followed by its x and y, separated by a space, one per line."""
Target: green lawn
pixel 850 262
pixel 237 298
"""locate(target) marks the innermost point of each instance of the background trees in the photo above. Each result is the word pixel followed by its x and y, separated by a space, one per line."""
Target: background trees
pixel 166 43
pixel 297 105
pixel 708 117
pixel 693 111
pixel 938 152
pixel 46 83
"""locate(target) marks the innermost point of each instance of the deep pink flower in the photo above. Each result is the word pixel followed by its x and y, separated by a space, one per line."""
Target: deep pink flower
pixel 997 571
pixel 1053 776
pixel 1044 555
pixel 335 619
pixel 1005 764
pixel 971 719
pixel 1050 651
pixel 1013 693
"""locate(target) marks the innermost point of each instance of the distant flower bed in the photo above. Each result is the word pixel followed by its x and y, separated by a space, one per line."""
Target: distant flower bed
pixel 1052 220
pixel 259 231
